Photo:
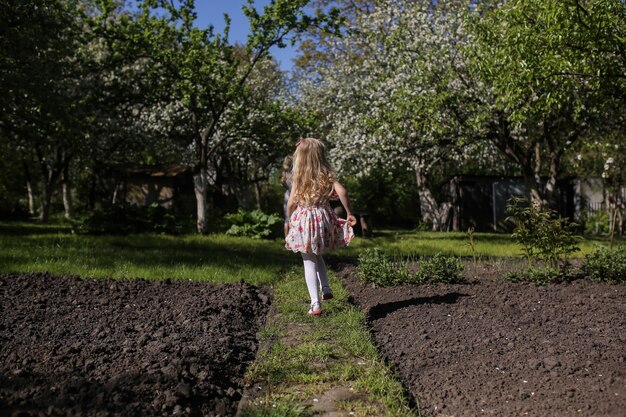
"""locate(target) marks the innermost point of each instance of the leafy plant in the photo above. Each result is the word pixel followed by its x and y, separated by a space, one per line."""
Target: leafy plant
pixel 543 235
pixel 606 265
pixel 537 276
pixel 471 242
pixel 440 268
pixel 380 270
pixel 254 224
pixel 597 223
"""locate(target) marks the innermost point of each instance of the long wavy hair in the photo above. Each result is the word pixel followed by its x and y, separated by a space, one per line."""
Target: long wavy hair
pixel 313 177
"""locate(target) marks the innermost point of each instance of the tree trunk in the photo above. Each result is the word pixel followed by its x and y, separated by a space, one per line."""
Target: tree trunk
pixel 31 198
pixel 455 204
pixel 201 188
pixel 67 192
pixel 50 171
pixel 432 212
pixel 257 194
pixel 551 190
pixel 46 197
pixel 29 190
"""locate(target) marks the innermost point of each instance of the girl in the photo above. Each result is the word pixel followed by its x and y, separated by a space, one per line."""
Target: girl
pixel 313 226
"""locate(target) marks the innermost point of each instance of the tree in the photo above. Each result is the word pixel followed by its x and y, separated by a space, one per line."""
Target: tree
pixel 548 71
pixel 395 98
pixel 38 44
pixel 208 76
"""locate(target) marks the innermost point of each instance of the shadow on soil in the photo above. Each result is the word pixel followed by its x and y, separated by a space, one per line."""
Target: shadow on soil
pixel 382 310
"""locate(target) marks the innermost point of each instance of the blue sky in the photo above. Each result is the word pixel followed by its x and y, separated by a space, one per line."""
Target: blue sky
pixel 211 12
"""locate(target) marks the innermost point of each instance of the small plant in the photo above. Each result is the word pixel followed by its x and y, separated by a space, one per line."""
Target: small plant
pixel 537 276
pixel 606 265
pixel 597 223
pixel 471 242
pixel 254 224
pixel 440 268
pixel 542 234
pixel 378 269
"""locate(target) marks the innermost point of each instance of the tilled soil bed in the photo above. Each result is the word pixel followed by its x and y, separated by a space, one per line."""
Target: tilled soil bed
pixel 102 347
pixel 497 348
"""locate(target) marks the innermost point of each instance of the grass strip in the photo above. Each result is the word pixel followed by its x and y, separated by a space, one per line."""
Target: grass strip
pixel 305 361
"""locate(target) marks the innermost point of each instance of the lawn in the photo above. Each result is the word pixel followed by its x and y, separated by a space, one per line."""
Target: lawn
pixel 30 247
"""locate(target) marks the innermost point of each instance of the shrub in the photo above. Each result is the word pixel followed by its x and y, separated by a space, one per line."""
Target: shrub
pixel 537 276
pixel 378 269
pixel 543 235
pixel 254 224
pixel 597 223
pixel 124 219
pixel 606 265
pixel 440 268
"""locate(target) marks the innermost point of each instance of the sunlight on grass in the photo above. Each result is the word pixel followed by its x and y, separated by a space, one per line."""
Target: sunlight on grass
pixel 30 247
pixel 211 258
pixel 412 243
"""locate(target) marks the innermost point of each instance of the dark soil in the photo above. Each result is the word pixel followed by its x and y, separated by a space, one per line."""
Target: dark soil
pixel 103 347
pixel 492 347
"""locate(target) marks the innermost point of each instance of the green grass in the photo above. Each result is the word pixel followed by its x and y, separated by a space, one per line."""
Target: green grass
pixel 414 243
pixel 31 247
pixel 218 258
pixel 304 357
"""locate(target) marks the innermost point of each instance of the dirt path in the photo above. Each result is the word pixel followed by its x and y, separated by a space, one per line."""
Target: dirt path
pixel 127 348
pixel 503 349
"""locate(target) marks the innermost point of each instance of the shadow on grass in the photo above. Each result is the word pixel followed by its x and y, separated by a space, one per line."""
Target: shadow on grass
pixel 24 228
pixel 160 255
pixel 382 310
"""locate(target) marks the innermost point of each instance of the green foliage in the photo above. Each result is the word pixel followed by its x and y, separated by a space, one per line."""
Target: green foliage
pixel 390 198
pixel 471 242
pixel 542 234
pixel 607 265
pixel 440 268
pixel 537 276
pixel 254 224
pixel 597 223
pixel 378 269
pixel 123 219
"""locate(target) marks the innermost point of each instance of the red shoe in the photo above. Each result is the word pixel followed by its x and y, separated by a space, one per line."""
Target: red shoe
pixel 315 310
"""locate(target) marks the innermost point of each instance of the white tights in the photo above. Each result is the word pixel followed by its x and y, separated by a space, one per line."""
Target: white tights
pixel 314 271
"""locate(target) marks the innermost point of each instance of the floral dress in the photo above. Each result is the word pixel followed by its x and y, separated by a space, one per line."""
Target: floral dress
pixel 317 229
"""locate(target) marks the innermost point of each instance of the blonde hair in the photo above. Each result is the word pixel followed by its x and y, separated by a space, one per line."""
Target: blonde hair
pixel 313 177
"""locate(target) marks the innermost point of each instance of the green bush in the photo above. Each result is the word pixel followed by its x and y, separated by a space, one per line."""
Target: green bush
pixel 440 268
pixel 542 234
pixel 537 276
pixel 378 269
pixel 254 224
pixel 606 265
pixel 123 219
pixel 597 223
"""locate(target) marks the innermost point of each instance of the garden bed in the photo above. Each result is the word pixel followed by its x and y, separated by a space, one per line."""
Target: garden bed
pixel 135 348
pixel 491 347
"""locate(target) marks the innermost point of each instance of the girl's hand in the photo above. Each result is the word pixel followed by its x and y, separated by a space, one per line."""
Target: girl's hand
pixel 351 220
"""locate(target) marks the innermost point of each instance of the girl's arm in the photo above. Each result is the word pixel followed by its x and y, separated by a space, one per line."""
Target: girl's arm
pixel 343 197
